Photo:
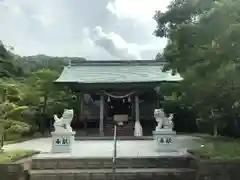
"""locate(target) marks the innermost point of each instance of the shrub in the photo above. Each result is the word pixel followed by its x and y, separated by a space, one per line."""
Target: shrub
pixel 14 129
pixel 5 124
pixel 18 128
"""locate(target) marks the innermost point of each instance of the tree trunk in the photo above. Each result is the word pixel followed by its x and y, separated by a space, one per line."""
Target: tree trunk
pixel 44 104
pixel 215 126
pixel 43 128
pixel 215 129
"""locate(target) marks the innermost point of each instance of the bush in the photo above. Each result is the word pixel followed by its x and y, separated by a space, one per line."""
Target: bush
pixel 18 128
pixel 14 129
pixel 5 124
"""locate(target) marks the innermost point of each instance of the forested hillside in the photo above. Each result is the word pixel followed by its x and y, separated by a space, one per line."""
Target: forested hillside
pixel 41 61
pixel 28 97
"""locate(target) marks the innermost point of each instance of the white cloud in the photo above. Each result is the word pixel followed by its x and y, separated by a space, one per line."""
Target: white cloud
pixel 114 45
pixel 117 46
pixel 135 9
pixel 61 27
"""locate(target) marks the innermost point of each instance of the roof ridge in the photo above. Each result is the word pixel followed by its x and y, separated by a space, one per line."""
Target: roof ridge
pixel 117 63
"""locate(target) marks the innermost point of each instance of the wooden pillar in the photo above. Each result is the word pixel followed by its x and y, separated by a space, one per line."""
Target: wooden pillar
pixel 101 133
pixel 137 108
pixel 81 104
pixel 157 104
pixel 81 113
pixel 133 109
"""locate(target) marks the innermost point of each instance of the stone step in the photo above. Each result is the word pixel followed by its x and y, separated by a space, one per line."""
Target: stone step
pixel 103 163
pixel 120 174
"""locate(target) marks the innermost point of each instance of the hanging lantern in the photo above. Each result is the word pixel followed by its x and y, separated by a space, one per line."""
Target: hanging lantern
pixel 108 99
pixel 129 99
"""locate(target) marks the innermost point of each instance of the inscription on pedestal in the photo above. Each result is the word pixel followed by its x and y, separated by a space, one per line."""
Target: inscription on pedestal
pixel 164 140
pixel 62 141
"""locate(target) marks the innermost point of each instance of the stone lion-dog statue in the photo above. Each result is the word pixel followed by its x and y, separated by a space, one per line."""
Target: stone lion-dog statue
pixel 64 123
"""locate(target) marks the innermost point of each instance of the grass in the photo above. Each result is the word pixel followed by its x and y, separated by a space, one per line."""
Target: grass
pixel 220 148
pixel 9 156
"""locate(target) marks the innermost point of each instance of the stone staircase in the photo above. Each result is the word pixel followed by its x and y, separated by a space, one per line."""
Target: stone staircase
pixel 139 168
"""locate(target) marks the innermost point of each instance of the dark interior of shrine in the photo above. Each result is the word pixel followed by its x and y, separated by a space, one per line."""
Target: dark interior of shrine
pixel 89 119
pixel 119 106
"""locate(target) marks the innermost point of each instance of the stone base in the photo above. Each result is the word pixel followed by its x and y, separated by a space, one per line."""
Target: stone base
pixel 165 140
pixel 62 142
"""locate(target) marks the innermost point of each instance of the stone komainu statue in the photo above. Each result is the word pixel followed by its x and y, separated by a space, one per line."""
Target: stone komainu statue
pixel 160 118
pixel 64 123
pixel 163 121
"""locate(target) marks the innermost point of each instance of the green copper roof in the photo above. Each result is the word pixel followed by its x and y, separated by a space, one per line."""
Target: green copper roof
pixel 116 72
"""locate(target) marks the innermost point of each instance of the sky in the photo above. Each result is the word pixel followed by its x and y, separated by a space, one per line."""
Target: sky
pixel 94 29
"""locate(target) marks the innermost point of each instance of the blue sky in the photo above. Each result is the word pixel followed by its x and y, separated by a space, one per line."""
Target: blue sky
pixel 66 28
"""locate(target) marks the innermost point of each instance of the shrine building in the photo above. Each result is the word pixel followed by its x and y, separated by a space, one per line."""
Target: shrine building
pixel 115 89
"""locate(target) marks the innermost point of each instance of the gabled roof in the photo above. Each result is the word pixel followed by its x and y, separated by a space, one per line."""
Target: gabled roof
pixel 89 72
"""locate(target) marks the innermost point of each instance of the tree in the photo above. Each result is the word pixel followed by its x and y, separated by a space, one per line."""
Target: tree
pixel 206 57
pixel 8 67
pixel 27 91
pixel 45 96
pixel 41 82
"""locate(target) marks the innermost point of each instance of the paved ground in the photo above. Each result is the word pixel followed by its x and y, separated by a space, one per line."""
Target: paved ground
pixel 100 148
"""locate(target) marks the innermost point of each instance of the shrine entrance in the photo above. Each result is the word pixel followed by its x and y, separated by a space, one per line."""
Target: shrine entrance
pixel 119 108
pixel 119 104
pixel 116 88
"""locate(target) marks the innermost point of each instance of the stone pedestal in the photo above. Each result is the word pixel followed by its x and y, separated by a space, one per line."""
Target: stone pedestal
pixel 165 140
pixel 62 142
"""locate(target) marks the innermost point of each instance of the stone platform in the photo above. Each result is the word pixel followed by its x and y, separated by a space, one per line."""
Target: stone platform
pixel 92 160
pixel 104 148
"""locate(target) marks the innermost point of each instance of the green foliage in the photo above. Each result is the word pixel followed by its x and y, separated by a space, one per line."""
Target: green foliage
pixel 10 110
pixel 10 156
pixel 220 148
pixel 204 41
pixel 48 96
pixel 31 64
pixel 8 67
pixel 14 129
pixel 28 96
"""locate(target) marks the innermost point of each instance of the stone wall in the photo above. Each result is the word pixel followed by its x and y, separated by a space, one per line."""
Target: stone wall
pixel 208 170
pixel 219 169
pixel 18 170
pixel 13 172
